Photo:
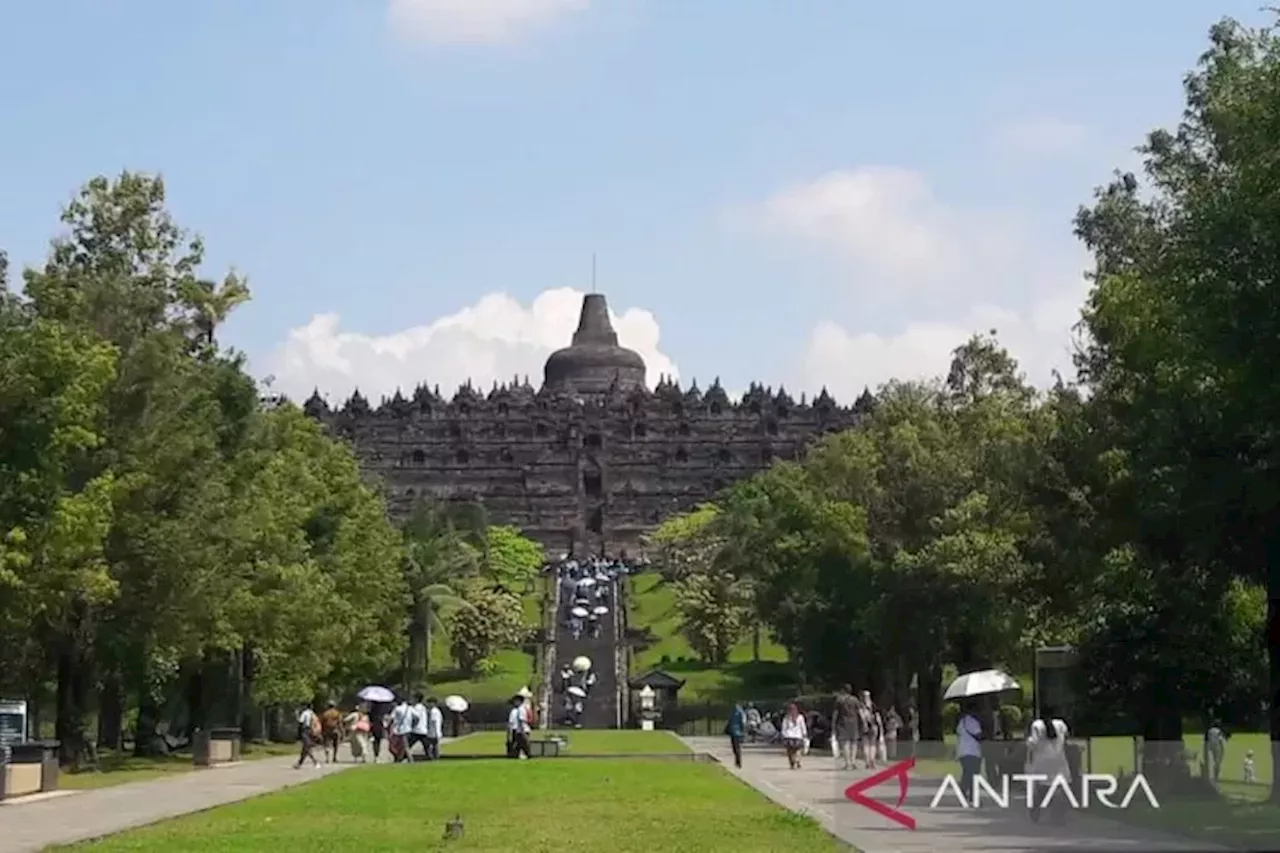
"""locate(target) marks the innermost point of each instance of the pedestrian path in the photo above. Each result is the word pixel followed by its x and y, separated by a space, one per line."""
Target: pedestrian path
pixel 817 789
pixel 83 815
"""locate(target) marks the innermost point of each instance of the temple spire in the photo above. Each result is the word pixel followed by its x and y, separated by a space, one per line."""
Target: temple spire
pixel 594 328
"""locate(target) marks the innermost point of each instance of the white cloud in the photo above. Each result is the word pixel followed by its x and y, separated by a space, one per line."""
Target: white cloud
pixel 475 22
pixel 495 339
pixel 910 252
pixel 1040 136
pixel 1041 339
pixel 888 222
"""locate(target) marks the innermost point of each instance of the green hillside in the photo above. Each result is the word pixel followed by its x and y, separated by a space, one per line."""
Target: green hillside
pixel 652 604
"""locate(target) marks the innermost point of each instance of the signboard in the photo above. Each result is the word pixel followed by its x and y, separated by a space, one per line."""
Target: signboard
pixel 1055 680
pixel 13 721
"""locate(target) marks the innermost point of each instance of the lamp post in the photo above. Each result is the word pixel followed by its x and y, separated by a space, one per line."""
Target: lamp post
pixel 646 708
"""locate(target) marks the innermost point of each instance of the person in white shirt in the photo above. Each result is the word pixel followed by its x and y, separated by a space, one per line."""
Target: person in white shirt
pixel 435 728
pixel 401 726
pixel 517 730
pixel 308 722
pixel 1047 756
pixel 417 728
pixel 1215 747
pixel 795 731
pixel 968 749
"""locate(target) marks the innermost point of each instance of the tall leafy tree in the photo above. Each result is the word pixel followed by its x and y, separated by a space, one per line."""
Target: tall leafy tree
pixel 1184 324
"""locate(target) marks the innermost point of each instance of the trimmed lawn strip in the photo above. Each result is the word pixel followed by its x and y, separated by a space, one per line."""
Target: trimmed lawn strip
pixel 621 806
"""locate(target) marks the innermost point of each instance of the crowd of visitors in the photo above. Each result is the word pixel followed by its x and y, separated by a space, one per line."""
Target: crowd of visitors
pixel 587 592
pixel 857 730
pixel 401 724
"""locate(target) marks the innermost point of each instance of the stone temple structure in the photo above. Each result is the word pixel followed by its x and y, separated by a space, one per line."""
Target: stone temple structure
pixel 593 459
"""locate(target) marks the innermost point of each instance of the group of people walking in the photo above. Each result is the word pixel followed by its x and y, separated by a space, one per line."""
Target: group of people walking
pixel 401 724
pixel 857 730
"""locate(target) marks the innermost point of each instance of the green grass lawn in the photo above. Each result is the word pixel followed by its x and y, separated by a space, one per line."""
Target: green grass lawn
pixel 581 742
pixel 119 768
pixel 622 806
pixel 651 604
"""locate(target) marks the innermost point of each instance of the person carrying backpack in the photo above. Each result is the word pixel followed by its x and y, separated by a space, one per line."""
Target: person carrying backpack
pixel 308 734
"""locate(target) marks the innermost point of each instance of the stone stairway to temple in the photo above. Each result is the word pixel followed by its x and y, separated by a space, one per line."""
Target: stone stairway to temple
pixel 600 707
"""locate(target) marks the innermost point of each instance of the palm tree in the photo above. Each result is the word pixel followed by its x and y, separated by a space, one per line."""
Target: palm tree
pixel 437 555
pixel 430 604
pixel 212 302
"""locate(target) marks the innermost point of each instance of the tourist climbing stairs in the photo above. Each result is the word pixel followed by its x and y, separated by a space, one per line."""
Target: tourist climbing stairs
pixel 587 607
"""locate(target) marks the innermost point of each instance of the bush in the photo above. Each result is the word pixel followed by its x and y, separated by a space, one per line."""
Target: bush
pixel 1012 719
pixel 950 717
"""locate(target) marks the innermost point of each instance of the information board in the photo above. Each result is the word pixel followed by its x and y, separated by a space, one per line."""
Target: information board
pixel 13 721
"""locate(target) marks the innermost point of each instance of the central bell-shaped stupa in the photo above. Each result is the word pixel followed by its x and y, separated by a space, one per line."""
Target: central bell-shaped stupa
pixel 594 362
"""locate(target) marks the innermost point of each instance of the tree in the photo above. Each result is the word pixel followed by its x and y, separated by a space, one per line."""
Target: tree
pixel 1183 324
pixel 492 622
pixel 438 559
pixel 512 560
pixel 164 533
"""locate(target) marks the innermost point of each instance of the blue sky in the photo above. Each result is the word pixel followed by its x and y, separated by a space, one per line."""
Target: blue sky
pixel 810 192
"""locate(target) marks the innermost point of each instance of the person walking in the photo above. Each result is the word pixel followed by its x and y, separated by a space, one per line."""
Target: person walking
pixel 846 727
pixel 308 733
pixel 357 727
pixel 794 734
pixel 1047 757
pixel 401 726
pixel 417 727
pixel 968 748
pixel 377 728
pixel 753 722
pixel 892 725
pixel 736 729
pixel 517 730
pixel 331 732
pixel 1215 748
pixel 435 728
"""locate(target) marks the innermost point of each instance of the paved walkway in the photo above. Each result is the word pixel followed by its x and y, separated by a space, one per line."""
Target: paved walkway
pixel 818 787
pixel 32 826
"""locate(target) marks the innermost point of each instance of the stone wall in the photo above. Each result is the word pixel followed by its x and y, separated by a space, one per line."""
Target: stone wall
pixel 591 474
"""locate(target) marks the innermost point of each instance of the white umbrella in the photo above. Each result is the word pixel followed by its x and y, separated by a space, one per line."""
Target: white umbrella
pixel 587 582
pixel 600 611
pixel 981 683
pixel 456 704
pixel 582 663
pixel 576 691
pixel 376 693
pixel 580 612
pixel 582 601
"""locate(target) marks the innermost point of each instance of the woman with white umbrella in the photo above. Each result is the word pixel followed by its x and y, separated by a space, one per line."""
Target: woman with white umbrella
pixel 969 730
pixel 379 699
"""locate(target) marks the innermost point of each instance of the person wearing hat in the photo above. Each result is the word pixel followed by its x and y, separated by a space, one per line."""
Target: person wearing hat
pixel 530 713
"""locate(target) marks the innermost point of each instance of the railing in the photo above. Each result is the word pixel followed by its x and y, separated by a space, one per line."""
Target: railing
pixel 549 613
pixel 623 704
